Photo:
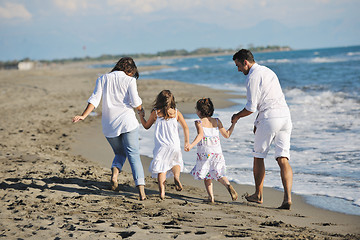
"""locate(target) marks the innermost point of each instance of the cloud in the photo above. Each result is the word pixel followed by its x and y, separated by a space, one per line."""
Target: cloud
pixel 72 6
pixel 138 6
pixel 14 10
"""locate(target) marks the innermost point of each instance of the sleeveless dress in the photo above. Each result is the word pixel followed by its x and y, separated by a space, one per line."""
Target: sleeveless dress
pixel 210 162
pixel 167 150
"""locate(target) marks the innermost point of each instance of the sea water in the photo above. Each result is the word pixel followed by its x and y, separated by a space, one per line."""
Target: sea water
pixel 322 89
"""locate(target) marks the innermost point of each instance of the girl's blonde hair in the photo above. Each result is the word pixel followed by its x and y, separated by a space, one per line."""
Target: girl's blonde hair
pixel 163 102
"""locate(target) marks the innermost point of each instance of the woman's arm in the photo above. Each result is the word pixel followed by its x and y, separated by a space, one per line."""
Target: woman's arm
pixel 198 137
pixel 135 100
pixel 185 127
pixel 225 133
pixel 89 108
pixel 147 124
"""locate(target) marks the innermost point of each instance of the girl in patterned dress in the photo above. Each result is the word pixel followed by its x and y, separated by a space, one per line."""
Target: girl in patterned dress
pixel 210 162
pixel 167 159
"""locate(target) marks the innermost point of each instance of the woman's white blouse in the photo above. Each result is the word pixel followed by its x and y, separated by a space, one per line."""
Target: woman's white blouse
pixel 120 96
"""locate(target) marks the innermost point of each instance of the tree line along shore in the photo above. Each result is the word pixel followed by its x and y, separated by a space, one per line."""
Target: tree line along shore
pixel 14 64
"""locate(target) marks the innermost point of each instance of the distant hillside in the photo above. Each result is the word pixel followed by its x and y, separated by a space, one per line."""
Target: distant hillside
pixel 167 53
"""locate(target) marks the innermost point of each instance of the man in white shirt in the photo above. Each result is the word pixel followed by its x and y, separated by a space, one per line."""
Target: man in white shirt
pixel 272 124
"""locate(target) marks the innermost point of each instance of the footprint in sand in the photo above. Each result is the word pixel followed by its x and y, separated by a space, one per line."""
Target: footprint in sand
pixel 237 234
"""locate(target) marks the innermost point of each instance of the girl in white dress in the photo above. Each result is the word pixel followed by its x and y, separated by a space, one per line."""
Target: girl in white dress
pixel 167 159
pixel 210 162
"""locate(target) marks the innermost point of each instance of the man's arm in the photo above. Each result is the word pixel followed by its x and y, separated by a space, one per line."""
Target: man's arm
pixel 242 113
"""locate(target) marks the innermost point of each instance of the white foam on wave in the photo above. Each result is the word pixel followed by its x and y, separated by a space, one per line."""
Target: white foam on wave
pixel 233 88
pixel 351 56
pixel 353 53
pixel 170 69
pixel 285 60
pixel 328 60
pixel 325 134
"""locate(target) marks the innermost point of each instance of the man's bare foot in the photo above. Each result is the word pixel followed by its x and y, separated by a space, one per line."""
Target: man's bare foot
pixel 114 184
pixel 285 205
pixel 254 198
pixel 178 185
pixel 233 193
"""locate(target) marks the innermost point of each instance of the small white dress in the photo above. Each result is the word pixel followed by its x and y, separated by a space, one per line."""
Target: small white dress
pixel 210 162
pixel 167 150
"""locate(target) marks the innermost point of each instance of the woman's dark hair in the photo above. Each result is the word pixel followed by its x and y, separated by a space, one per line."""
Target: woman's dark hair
pixel 205 107
pixel 127 65
pixel 243 55
pixel 164 101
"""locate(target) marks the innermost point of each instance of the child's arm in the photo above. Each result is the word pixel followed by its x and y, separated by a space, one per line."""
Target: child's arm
pixel 198 137
pixel 185 127
pixel 147 124
pixel 226 133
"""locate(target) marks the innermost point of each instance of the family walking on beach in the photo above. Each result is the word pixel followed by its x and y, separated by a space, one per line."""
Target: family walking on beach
pixel 119 94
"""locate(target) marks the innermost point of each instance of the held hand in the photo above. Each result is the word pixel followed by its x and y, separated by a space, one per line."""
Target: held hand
pixel 77 118
pixel 187 148
pixel 141 113
pixel 234 119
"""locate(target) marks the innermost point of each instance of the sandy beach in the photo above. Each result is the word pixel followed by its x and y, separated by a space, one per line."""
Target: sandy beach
pixel 54 181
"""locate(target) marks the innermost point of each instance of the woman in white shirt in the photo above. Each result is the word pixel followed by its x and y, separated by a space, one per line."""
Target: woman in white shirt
pixel 118 90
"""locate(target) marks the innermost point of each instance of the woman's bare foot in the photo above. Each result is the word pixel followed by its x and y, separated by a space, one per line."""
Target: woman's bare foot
pixel 142 195
pixel 232 192
pixel 114 176
pixel 114 184
pixel 285 205
pixel 254 198
pixel 178 185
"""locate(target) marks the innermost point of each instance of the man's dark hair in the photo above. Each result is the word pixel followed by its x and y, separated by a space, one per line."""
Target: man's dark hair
pixel 243 55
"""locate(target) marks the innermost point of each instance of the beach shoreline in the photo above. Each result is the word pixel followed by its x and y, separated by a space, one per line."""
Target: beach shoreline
pixel 49 190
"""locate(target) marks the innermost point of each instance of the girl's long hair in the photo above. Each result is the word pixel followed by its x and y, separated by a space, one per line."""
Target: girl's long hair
pixel 127 65
pixel 164 101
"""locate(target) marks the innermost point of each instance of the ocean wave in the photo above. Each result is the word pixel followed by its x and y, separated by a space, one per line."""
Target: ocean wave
pixel 353 53
pixel 354 56
pixel 317 95
pixel 275 61
pixel 328 60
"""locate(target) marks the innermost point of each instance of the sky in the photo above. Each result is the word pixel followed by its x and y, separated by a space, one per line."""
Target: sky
pixel 57 29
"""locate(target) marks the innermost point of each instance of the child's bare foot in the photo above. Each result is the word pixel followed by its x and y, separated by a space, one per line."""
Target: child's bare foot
pixel 285 205
pixel 254 198
pixel 210 200
pixel 162 192
pixel 178 185
pixel 233 193
pixel 114 184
